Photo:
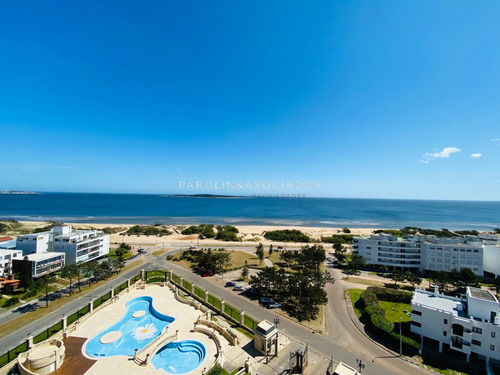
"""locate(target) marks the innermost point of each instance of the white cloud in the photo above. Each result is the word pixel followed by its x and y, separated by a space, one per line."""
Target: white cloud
pixel 476 155
pixel 495 140
pixel 444 153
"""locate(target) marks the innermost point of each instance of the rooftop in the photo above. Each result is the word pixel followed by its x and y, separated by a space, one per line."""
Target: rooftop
pixel 439 301
pixel 482 294
pixel 343 369
pixel 44 255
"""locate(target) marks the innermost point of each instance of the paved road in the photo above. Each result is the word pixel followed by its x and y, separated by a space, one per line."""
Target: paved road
pixel 343 340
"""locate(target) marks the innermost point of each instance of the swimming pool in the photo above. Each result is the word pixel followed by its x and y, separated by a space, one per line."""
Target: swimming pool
pixel 140 325
pixel 180 357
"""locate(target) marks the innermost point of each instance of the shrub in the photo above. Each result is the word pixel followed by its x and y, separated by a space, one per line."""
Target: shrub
pixel 391 295
pixel 370 310
pixel 368 298
pixel 11 302
pixel 287 235
pixel 380 322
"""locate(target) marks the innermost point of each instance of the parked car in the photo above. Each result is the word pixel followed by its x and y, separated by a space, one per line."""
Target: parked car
pixel 248 292
pixel 274 305
pixel 230 284
pixel 238 288
pixel 265 301
pixel 192 247
pixel 208 274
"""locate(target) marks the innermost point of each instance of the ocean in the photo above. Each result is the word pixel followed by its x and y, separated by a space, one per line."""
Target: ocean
pixel 317 212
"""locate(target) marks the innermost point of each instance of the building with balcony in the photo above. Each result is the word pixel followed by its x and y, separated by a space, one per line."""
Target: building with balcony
pixel 40 264
pixel 470 325
pixel 80 245
pixel 77 245
pixel 420 253
pixel 6 259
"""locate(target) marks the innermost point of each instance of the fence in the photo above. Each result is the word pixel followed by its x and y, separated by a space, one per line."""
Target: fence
pixel 12 354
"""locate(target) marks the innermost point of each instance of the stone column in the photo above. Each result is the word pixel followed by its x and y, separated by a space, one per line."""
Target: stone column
pixel 242 318
pixel 112 292
pixel 222 303
pixel 180 282
pixel 91 307
pixel 128 283
pixel 142 274
pixel 29 339
pixel 170 275
pixel 64 322
pixel 192 289
pixel 206 296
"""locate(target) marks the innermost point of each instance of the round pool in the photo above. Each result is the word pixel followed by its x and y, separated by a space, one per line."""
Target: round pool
pixel 180 357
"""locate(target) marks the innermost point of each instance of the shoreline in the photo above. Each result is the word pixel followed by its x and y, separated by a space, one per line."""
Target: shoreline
pixel 251 234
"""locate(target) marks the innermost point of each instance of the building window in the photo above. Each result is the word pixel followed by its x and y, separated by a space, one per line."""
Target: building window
pixel 477 330
pixel 416 312
pixel 445 333
pixel 416 324
pixel 445 321
pixel 492 347
pixel 492 334
pixel 475 342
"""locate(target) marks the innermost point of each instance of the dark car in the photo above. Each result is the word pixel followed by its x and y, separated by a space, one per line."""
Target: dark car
pixel 230 284
pixel 274 305
pixel 265 301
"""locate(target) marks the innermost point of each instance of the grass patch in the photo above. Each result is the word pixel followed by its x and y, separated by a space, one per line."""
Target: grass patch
pixel 238 259
pixel 157 253
pixel 355 295
pixel 394 311
pixel 26 318
pixel 243 330
pixel 359 280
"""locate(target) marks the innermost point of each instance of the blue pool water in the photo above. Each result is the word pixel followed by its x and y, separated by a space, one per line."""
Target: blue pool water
pixel 136 332
pixel 179 357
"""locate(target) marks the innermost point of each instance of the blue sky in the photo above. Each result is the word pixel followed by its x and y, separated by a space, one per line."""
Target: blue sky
pixel 370 99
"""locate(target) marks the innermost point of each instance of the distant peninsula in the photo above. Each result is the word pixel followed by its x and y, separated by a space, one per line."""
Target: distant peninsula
pixel 203 196
pixel 17 192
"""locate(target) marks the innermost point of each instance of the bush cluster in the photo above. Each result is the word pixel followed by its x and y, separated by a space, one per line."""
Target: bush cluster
pixel 287 235
pixel 377 322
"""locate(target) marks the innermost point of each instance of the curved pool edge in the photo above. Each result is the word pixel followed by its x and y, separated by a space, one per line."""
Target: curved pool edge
pixel 201 350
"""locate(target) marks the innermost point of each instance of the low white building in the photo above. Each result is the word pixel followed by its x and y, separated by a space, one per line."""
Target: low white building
pixel 470 325
pixel 6 259
pixel 42 263
pixel 420 253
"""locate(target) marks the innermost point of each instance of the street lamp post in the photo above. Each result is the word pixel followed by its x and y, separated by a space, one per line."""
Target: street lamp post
pixel 361 365
pixel 400 337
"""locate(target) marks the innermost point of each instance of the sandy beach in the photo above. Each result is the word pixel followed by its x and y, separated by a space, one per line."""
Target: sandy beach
pixel 252 234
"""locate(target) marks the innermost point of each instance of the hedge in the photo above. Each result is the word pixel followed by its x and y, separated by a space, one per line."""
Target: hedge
pixel 380 322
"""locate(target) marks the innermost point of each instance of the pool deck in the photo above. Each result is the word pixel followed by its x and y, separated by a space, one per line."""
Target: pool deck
pixel 165 303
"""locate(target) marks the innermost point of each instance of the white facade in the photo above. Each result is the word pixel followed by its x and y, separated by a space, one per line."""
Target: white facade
pixel 34 243
pixel 491 259
pixel 80 245
pixel 420 253
pixel 6 258
pixel 470 326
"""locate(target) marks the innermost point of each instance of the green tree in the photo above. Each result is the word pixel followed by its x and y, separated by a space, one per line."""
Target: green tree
pixel 398 277
pixel 442 278
pixel 260 252
pixel 80 270
pixel 356 262
pixel 69 272
pixel 24 273
pixel 312 256
pixel 117 264
pixel 270 249
pixel 339 252
pixel 245 271
pixel 43 284
pixel 496 284
pixel 412 279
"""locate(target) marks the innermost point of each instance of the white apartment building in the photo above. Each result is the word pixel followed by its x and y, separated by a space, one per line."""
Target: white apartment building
pixel 6 259
pixel 77 245
pixel 420 253
pixel 470 326
pixel 80 245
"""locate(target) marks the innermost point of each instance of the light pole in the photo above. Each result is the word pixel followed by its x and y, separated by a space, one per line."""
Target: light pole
pixel 361 365
pixel 400 337
pixel 276 322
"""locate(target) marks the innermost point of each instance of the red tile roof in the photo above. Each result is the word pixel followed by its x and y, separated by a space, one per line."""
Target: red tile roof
pixel 2 239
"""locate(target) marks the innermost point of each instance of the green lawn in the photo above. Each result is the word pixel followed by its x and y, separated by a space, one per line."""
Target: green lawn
pixel 355 294
pixel 394 311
